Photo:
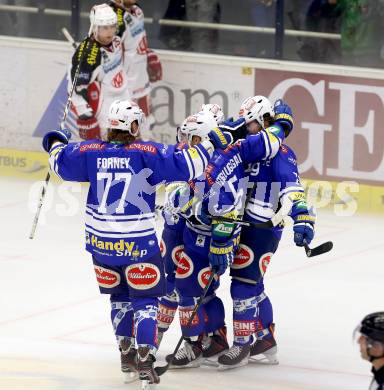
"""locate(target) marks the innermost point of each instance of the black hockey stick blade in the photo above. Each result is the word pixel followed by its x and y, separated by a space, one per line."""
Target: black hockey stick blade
pixel 160 370
pixel 318 250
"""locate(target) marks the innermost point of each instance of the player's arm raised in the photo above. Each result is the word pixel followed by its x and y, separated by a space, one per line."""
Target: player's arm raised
pixel 65 160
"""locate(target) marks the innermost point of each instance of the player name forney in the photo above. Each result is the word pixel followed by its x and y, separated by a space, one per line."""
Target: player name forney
pixel 113 163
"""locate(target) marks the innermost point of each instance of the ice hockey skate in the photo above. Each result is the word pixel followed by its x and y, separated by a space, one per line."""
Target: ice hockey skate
pixel 264 351
pixel 189 356
pixel 128 358
pixel 214 346
pixel 147 374
pixel 236 356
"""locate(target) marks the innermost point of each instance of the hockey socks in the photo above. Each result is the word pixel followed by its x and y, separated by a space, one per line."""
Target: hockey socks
pixel 196 328
pixel 145 318
pixel 122 316
pixel 167 310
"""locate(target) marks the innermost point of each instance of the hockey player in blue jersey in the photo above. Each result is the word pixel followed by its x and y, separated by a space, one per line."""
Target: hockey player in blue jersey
pixel 172 243
pixel 194 267
pixel 120 223
pixel 192 270
pixel 275 182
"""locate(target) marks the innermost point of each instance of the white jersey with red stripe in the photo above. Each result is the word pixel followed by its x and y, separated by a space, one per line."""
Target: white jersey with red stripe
pixel 132 30
pixel 103 65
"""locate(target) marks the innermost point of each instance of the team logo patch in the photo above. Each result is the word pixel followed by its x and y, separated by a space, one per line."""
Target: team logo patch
pixel 106 277
pixel 184 266
pixel 118 80
pixel 142 276
pixel 200 241
pixel 204 275
pixel 177 254
pixel 163 248
pixel 243 258
pixel 264 262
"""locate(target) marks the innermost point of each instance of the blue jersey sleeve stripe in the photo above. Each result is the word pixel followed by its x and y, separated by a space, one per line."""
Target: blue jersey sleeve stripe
pixel 205 154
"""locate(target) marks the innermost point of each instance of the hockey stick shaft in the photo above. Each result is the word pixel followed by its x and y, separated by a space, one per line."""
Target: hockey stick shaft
pixel 160 370
pixel 274 221
pixel 62 125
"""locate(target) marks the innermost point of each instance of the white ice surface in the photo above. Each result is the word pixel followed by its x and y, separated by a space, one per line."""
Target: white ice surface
pixel 54 325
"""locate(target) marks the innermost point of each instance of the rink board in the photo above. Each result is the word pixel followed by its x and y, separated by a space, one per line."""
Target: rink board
pixel 338 110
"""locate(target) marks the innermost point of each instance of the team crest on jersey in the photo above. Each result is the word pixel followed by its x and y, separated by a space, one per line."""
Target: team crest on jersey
pixel 243 258
pixel 184 267
pixel 264 262
pixel 118 80
pixel 142 47
pixel 142 276
pixel 106 277
pixel 284 149
pixel 177 254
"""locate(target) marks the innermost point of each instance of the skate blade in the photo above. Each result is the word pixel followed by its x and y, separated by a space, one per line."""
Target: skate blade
pixel 212 361
pixel 264 359
pixel 269 357
pixel 223 367
pixel 130 377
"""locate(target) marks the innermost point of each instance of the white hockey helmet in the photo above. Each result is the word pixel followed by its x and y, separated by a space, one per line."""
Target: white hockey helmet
pixel 102 15
pixel 215 110
pixel 256 108
pixel 123 113
pixel 199 124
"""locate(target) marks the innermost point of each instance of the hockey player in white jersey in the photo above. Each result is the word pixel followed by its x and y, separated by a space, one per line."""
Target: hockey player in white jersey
pixel 102 78
pixel 120 221
pixel 142 64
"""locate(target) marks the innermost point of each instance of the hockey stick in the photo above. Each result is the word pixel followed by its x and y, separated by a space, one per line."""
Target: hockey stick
pixel 273 222
pixel 62 125
pixel 160 370
pixel 318 250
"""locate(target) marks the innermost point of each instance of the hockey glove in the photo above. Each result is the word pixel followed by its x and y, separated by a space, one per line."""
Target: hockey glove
pixel 221 251
pixel 237 128
pixel 220 256
pixel 88 128
pixel 154 68
pixel 283 115
pixel 303 229
pixel 62 136
pixel 218 139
